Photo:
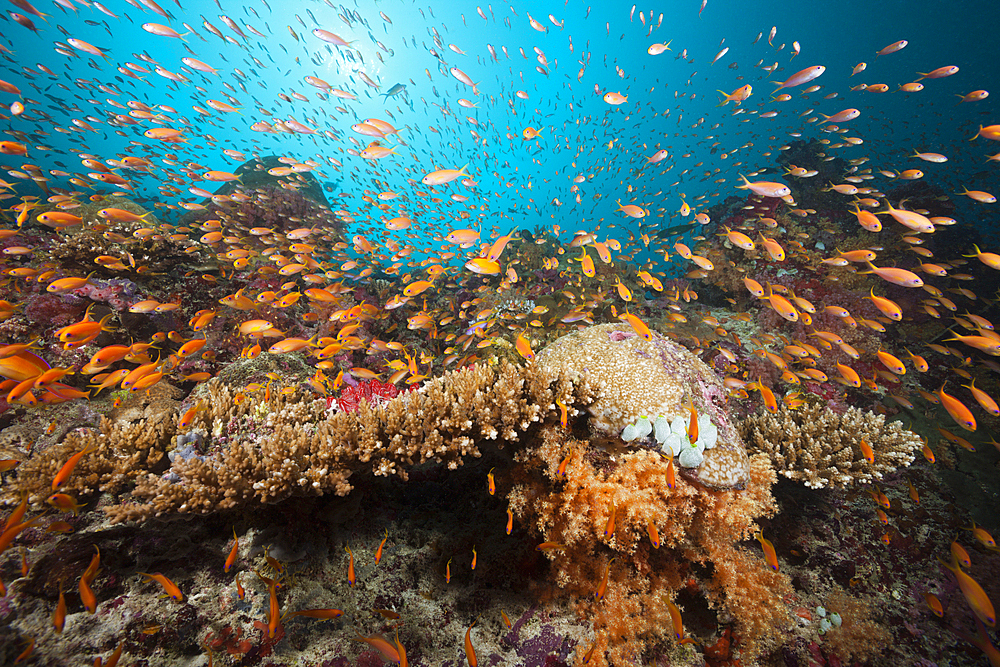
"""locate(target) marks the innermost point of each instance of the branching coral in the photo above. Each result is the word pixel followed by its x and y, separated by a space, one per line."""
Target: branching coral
pixel 252 449
pixel 821 448
pixel 694 525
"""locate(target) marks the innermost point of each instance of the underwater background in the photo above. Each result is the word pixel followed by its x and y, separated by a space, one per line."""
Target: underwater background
pixel 513 333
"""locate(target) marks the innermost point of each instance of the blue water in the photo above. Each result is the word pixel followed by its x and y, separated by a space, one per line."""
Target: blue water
pixel 671 100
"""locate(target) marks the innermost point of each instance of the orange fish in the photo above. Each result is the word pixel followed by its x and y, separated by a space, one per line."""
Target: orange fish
pixel 934 604
pixel 413 289
pixel 638 326
pixel 378 552
pixel 654 536
pixel 984 537
pixel 169 587
pixel 769 554
pixel 974 594
pixel 961 414
pixel 64 503
pixel 960 555
pixel 64 473
pixel 523 347
pixel 675 617
pixel 232 553
pixel 321 614
pixel 86 594
pixel 602 588
pixel 382 645
pixel 609 527
pixel 59 617
pixel 470 651
pixel 274 614
pixel 562 418
pixel 867 451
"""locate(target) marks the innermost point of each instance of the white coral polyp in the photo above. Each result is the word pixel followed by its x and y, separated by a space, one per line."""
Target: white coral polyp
pixel 672 437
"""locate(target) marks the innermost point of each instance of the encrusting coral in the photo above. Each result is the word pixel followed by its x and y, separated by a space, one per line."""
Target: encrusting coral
pixel 637 381
pixel 822 448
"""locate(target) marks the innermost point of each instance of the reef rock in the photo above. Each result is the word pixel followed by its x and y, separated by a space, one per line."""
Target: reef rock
pixel 643 390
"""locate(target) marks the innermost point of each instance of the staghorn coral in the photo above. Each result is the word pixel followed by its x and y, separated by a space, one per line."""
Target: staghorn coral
pixel 820 447
pixel 267 450
pixel 634 378
pixel 698 528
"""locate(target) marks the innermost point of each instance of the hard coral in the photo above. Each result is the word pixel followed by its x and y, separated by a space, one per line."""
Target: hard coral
pixel 634 378
pixel 819 447
pixel 267 449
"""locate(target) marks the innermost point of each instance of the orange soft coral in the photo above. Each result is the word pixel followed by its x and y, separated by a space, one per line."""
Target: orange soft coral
pixel 699 531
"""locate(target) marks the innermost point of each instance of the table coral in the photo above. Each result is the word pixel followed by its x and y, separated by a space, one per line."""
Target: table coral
pixel 254 449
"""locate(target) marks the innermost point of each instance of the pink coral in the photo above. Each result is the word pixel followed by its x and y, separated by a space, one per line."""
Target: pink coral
pixel 373 391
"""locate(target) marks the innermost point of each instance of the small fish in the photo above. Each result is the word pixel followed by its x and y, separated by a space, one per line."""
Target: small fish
pixel 59 616
pixel 984 537
pixel 638 326
pixel 321 614
pixel 169 587
pixel 396 89
pixel 351 577
pixel 974 594
pixel 769 554
pixel 866 451
pixel 378 552
pixel 232 553
pixel 388 649
pixel 602 588
pixel 678 623
pixel 609 527
pixel 523 348
pixel 64 473
pixel 470 651
pixel 654 535
pixel 934 604
pixel 958 411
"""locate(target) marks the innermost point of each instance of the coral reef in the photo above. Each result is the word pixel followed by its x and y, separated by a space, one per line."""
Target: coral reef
pixel 273 171
pixel 820 447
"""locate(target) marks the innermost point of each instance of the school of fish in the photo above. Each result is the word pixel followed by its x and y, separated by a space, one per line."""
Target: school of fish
pixel 435 194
